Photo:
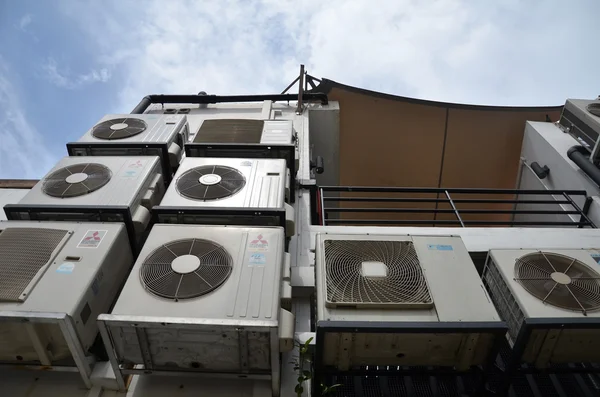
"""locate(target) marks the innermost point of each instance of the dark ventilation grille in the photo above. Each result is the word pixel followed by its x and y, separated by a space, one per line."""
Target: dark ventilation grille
pixel 119 128
pixel 23 253
pixel 503 298
pixel 230 131
pixel 170 111
pixel 76 180
pixel 210 182
pixel 594 108
pixel 186 269
pixel 398 280
pixel 559 280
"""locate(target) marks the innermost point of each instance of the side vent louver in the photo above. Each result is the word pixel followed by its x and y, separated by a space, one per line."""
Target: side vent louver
pixel 24 256
pixel 503 299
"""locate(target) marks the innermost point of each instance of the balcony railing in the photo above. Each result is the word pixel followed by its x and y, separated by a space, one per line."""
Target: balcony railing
pixel 394 206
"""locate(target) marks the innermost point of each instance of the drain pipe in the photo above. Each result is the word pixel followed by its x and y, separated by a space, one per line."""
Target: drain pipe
pixel 579 155
pixel 206 99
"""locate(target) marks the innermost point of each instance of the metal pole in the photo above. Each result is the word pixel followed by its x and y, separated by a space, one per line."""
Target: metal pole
pixel 454 208
pixel 300 90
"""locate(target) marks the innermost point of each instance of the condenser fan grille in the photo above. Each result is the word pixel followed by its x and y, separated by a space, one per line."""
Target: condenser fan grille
pixel 119 128
pixel 76 180
pixel 559 280
pixel 230 131
pixel 186 269
pixel 594 108
pixel 210 182
pixel 395 279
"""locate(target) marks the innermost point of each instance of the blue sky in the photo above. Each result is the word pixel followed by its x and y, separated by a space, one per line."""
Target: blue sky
pixel 66 63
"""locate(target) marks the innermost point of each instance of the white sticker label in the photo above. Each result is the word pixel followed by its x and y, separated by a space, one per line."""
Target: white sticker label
pixel 133 168
pixel 92 239
pixel 258 243
pixel 257 259
pixel 66 268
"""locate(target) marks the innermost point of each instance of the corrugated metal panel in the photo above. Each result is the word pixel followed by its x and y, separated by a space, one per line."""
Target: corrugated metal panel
pixel 10 196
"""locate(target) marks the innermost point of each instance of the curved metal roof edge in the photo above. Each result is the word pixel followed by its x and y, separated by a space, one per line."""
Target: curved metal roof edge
pixel 327 85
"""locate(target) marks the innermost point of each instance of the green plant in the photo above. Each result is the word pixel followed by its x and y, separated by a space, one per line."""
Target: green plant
pixel 300 364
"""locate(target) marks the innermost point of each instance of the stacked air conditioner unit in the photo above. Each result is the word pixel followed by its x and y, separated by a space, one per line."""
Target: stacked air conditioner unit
pixel 203 299
pixel 209 293
pixel 136 135
pixel 228 191
pixel 401 301
pixel 96 189
pixel 247 138
pixel 55 279
pixel 550 300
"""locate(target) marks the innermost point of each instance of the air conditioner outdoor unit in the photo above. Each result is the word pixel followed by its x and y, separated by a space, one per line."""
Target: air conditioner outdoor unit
pixel 136 135
pixel 581 119
pixel 226 191
pixel 95 189
pixel 203 299
pixel 385 300
pixel 55 279
pixel 246 138
pixel 550 300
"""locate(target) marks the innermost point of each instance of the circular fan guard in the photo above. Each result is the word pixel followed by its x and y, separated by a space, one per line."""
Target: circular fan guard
pixel 193 183
pixel 404 285
pixel 594 108
pixel 159 277
pixel 89 176
pixel 119 128
pixel 559 280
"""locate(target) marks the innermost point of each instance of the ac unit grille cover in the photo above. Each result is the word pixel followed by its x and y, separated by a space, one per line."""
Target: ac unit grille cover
pixel 24 252
pixel 76 180
pixel 594 108
pixel 210 182
pixel 559 280
pixel 119 128
pixel 230 131
pixel 185 269
pixel 375 273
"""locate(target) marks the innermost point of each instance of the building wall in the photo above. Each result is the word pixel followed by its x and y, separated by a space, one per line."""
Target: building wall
pixel 387 140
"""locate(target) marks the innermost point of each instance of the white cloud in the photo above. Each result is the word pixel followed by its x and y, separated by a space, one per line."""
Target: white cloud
pixel 502 52
pixel 23 153
pixel 25 21
pixel 65 79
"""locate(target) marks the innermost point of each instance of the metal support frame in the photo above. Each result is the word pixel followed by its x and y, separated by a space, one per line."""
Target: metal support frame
pixel 140 323
pixel 497 329
pixel 515 365
pixel 242 216
pixel 146 149
pixel 67 328
pixel 35 212
pixel 207 99
pixel 394 195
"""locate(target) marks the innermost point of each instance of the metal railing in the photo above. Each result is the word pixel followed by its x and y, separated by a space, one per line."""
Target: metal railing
pixel 339 205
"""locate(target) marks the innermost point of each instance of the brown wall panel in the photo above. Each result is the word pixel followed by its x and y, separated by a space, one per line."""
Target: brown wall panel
pixel 387 140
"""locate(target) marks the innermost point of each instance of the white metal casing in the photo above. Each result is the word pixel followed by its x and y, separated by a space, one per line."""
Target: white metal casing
pixel 135 183
pixel 234 329
pixel 163 134
pixel 10 196
pixel 458 297
pixel 264 189
pixel 80 280
pixel 547 145
pixel 582 124
pixel 516 305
